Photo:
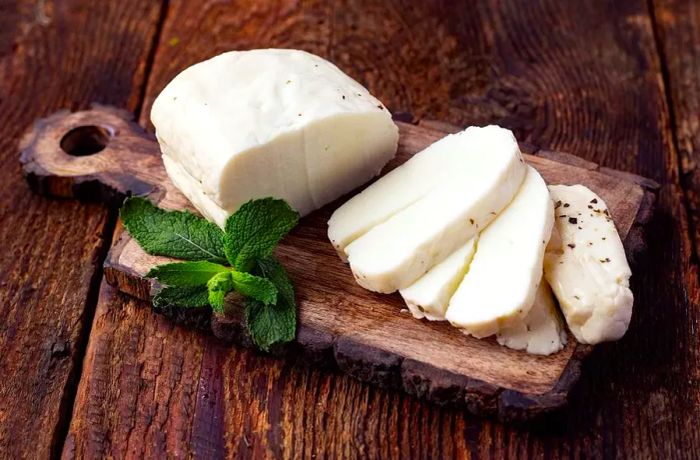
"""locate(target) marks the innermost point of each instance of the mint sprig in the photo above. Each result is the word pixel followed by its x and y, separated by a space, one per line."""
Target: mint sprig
pixel 218 262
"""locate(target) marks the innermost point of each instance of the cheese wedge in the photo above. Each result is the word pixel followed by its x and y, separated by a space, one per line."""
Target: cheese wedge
pixel 428 297
pixel 280 123
pixel 589 274
pixel 395 253
pixel 499 288
pixel 541 332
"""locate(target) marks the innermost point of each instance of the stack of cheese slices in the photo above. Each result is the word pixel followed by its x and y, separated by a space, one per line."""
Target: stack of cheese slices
pixel 468 233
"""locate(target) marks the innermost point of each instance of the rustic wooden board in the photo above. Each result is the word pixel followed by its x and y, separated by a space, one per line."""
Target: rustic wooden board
pixel 53 55
pixel 340 324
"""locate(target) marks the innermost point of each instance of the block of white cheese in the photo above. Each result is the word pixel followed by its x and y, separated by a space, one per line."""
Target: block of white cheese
pixel 541 332
pixel 269 123
pixel 428 297
pixel 499 288
pixel 589 274
pixel 420 234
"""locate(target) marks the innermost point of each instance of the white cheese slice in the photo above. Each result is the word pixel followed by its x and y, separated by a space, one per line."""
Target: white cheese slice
pixel 428 297
pixel 280 123
pixel 500 287
pixel 589 274
pixel 398 251
pixel 541 332
pixel 452 156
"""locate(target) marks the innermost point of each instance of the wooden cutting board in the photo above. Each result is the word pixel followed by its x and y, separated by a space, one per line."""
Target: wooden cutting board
pixel 102 155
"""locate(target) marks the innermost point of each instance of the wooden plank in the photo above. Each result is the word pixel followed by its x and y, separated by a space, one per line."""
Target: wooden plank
pixel 362 333
pixel 146 388
pixel 586 81
pixel 678 29
pixel 54 55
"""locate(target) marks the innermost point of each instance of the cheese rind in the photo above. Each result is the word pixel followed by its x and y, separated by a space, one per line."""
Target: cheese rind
pixel 429 295
pixel 395 253
pixel 280 123
pixel 541 332
pixel 589 274
pixel 500 287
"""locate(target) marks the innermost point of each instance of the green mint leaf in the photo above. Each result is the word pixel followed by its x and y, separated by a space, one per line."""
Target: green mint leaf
pixel 255 229
pixel 270 268
pixel 273 323
pixel 254 287
pixel 179 296
pixel 270 324
pixel 186 273
pixel 178 234
pixel 219 285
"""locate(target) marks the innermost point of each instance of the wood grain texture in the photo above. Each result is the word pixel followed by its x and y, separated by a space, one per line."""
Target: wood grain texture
pixel 52 56
pixel 678 30
pixel 361 333
pixel 587 80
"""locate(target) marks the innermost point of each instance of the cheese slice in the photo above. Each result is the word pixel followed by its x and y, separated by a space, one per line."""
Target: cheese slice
pixel 428 297
pixel 452 156
pixel 589 274
pixel 280 123
pixel 395 253
pixel 500 287
pixel 541 332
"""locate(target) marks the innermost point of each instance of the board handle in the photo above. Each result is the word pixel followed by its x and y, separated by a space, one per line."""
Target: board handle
pixel 92 155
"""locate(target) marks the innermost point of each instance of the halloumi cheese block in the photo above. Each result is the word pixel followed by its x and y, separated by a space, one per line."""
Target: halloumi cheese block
pixel 428 297
pixel 271 122
pixel 395 253
pixel 499 288
pixel 541 332
pixel 589 274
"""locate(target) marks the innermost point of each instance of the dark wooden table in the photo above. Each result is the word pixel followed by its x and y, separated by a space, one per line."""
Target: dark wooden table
pixel 87 372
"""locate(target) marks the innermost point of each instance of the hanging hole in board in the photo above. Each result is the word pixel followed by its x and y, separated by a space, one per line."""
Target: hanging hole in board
pixel 85 140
